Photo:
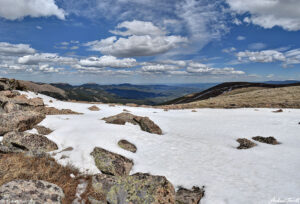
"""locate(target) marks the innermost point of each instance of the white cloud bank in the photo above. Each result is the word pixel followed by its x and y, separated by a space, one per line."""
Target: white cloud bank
pixel 269 13
pixel 140 41
pixel 108 61
pixel 8 49
pixel 18 9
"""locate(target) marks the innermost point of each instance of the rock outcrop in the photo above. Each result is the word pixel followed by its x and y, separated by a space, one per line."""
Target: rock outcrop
pixel 267 140
pixel 137 188
pixel 186 196
pixel 124 144
pixel 19 121
pixel 111 163
pixel 28 141
pixel 94 108
pixel 144 122
pixel 245 143
pixel 32 191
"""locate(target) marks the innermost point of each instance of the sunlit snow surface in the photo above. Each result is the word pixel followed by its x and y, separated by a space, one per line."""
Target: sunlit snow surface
pixel 196 148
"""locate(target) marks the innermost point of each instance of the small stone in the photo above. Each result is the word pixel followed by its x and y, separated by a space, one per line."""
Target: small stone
pixel 43 130
pixel 124 144
pixel 267 140
pixel 245 143
pixel 278 111
pixel 94 108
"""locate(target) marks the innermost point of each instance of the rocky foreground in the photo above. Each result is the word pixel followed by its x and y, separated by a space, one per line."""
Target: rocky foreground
pixel 29 174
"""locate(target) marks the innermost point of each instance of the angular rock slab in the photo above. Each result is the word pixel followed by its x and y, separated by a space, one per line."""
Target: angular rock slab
pixel 144 122
pixel 19 121
pixel 124 144
pixel 22 191
pixel 186 196
pixel 111 163
pixel 28 141
pixel 134 189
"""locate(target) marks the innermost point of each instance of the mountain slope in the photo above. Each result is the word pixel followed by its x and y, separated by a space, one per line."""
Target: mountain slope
pixel 225 88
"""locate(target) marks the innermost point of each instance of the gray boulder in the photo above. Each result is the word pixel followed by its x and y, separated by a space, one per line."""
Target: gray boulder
pixel 19 121
pixel 28 141
pixel 43 130
pixel 32 191
pixel 111 163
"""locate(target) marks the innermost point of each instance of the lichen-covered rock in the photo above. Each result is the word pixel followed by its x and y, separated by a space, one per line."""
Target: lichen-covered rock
pixel 32 191
pixel 8 150
pixel 19 121
pixel 94 108
pixel 186 196
pixel 267 140
pixel 134 189
pixel 27 141
pixel 124 144
pixel 245 143
pixel 43 130
pixel 144 122
pixel 111 163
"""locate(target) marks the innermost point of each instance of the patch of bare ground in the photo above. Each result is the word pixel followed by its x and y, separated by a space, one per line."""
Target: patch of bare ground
pixel 19 166
pixel 253 97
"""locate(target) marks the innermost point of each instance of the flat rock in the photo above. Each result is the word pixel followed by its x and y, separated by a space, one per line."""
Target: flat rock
pixel 43 130
pixel 186 196
pixel 27 141
pixel 32 191
pixel 55 111
pixel 144 122
pixel 19 121
pixel 134 189
pixel 124 144
pixel 245 143
pixel 94 108
pixel 111 163
pixel 267 140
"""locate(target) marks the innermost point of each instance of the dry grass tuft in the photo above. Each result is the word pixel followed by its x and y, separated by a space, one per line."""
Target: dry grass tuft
pixel 19 166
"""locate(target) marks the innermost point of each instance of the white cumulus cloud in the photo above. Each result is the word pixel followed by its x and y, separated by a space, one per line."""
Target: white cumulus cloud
pixel 9 49
pixel 46 58
pixel 18 9
pixel 142 43
pixel 108 61
pixel 269 13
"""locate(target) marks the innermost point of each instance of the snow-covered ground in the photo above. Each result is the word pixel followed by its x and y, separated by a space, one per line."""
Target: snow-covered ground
pixel 196 148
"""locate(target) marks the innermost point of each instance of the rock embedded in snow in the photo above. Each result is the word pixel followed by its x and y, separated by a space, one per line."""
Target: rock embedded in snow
pixel 19 121
pixel 32 191
pixel 55 111
pixel 124 144
pixel 278 111
pixel 43 130
pixel 144 122
pixel 245 143
pixel 267 140
pixel 94 108
pixel 186 196
pixel 111 163
pixel 27 141
pixel 137 188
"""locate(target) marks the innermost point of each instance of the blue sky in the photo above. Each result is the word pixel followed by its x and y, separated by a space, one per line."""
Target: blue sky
pixel 150 41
